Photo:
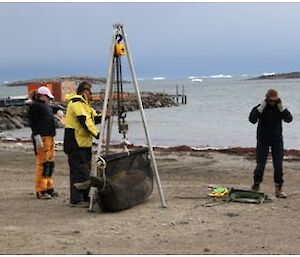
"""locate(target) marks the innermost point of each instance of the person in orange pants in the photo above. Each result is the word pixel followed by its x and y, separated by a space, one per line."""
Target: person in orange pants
pixel 42 123
pixel 45 167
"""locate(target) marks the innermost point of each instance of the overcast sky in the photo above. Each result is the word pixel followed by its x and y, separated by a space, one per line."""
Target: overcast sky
pixel 173 40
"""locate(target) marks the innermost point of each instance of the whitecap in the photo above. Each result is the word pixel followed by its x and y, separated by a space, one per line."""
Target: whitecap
pixel 159 78
pixel 268 73
pixel 196 80
pixel 220 76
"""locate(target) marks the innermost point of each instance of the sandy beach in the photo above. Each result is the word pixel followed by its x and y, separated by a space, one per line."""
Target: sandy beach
pixel 191 224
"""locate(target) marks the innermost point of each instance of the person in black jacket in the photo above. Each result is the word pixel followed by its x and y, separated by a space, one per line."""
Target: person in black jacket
pixel 269 115
pixel 42 123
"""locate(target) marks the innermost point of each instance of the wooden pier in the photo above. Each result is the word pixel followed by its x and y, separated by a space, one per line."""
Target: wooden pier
pixel 179 98
pixel 14 100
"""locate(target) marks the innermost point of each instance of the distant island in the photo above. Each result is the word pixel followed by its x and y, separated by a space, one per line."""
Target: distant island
pixel 93 80
pixel 289 75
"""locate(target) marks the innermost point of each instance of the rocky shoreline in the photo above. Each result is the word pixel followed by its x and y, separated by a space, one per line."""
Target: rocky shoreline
pixel 16 117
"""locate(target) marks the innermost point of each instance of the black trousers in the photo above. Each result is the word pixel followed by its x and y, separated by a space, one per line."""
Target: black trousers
pixel 80 169
pixel 262 151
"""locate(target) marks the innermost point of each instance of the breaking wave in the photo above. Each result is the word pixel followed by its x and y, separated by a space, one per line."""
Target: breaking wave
pixel 268 73
pixel 218 76
pixel 159 78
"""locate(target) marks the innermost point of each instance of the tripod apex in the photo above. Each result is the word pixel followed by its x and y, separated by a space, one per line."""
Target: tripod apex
pixel 118 25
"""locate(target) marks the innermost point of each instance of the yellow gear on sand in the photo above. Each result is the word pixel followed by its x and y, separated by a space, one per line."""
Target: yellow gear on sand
pixel 219 192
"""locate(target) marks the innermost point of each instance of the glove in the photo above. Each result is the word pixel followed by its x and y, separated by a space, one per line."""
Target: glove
pixel 60 113
pixel 38 141
pixel 262 106
pixel 60 116
pixel 280 105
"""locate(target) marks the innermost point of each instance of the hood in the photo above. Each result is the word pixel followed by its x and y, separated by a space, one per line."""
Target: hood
pixel 71 96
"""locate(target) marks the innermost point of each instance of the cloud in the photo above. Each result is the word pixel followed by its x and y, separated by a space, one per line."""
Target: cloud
pixel 165 38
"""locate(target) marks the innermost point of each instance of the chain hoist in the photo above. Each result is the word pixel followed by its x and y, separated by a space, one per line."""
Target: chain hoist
pixel 122 123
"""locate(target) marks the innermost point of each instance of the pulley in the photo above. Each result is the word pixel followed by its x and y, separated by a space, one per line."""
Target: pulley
pixel 120 50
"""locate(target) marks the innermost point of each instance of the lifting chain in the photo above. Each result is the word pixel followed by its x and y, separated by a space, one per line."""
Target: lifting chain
pixel 122 123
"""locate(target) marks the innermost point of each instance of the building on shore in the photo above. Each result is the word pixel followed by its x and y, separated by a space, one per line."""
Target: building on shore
pixel 59 89
pixel 59 86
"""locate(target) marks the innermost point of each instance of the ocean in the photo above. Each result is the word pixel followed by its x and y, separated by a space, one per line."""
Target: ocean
pixel 216 113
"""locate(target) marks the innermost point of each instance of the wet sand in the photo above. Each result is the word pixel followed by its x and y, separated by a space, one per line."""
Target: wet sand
pixel 187 226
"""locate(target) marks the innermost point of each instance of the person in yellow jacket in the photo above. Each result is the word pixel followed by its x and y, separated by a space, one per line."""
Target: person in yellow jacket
pixel 80 129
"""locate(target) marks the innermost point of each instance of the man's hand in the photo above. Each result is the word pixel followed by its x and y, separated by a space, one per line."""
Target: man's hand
pixel 60 116
pixel 262 106
pixel 280 105
pixel 38 141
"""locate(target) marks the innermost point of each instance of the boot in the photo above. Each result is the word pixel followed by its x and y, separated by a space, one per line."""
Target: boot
pixel 52 192
pixel 279 193
pixel 83 185
pixel 255 187
pixel 43 195
pixel 96 182
pixel 80 204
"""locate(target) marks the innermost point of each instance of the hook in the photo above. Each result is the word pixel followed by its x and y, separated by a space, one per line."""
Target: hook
pixel 119 38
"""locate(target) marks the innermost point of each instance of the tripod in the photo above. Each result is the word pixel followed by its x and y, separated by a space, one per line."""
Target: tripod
pixel 117 50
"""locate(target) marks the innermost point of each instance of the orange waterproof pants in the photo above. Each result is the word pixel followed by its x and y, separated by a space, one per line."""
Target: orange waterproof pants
pixel 44 155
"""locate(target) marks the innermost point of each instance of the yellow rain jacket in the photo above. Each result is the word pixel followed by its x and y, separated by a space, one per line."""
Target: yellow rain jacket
pixel 80 123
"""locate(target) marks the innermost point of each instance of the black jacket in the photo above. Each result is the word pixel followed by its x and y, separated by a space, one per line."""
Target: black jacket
pixel 42 120
pixel 269 122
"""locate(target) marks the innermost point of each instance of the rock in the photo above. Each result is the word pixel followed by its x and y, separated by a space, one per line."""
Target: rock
pixel 184 222
pixel 158 104
pixel 230 214
pixel 26 122
pixel 10 126
pixel 16 122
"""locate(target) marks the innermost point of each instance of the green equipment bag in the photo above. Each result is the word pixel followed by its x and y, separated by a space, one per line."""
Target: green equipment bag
pixel 246 196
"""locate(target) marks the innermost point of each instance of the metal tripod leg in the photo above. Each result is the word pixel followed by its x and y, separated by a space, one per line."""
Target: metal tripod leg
pixel 135 83
pixel 109 82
